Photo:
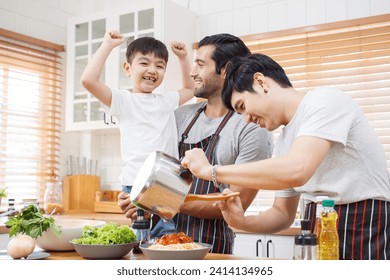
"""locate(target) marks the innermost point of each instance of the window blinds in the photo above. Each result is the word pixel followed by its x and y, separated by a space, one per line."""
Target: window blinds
pixel 30 114
pixel 353 56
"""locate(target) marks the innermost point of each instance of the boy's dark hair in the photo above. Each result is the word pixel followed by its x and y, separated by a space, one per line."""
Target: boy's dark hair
pixel 147 45
pixel 227 46
pixel 240 72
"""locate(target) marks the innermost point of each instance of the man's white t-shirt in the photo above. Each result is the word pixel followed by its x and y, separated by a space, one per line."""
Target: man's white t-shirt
pixel 355 167
pixel 147 124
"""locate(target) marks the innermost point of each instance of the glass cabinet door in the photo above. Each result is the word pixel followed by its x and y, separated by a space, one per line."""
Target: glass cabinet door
pixel 88 37
pixel 133 25
pixel 146 19
pixel 96 112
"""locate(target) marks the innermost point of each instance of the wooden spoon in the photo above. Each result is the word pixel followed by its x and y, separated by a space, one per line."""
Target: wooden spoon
pixel 210 197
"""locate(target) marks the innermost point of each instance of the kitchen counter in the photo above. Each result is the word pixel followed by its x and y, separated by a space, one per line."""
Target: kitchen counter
pixel 72 255
pixel 121 219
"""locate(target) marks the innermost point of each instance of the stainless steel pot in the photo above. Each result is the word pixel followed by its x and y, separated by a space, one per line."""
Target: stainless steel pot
pixel 161 185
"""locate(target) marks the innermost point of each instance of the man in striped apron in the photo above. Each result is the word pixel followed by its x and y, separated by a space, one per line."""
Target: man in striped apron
pixel 222 134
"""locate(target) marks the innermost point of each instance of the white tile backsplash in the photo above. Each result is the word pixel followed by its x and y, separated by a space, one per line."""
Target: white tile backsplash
pixel 225 22
pixel 26 8
pixel 56 17
pixel 379 7
pixel 7 19
pixel 259 19
pixel 336 10
pixel 215 6
pixel 206 25
pixel 357 9
pixel 247 3
pixel 315 12
pixel 296 13
pixel 242 21
pixel 277 15
pixel 23 25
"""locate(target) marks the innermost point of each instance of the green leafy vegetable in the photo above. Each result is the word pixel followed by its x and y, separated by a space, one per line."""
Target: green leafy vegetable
pixel 110 233
pixel 30 221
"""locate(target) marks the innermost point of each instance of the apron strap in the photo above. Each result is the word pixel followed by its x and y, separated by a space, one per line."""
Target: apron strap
pixel 185 133
pixel 213 141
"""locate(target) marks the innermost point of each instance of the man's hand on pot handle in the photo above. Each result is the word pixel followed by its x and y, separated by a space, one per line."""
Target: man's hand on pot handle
pixel 128 208
pixel 196 161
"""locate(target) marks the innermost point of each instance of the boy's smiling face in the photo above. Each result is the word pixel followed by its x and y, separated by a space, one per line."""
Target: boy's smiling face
pixel 147 72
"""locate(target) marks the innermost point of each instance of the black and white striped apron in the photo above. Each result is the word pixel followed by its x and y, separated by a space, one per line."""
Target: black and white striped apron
pixel 211 231
pixel 363 227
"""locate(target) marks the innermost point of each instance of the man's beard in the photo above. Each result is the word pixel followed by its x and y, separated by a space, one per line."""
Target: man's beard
pixel 206 91
pixel 201 92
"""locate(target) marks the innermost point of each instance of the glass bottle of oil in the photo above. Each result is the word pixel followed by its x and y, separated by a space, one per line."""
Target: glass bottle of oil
pixel 329 238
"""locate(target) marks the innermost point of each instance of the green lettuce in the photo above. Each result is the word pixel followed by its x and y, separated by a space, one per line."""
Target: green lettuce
pixel 109 233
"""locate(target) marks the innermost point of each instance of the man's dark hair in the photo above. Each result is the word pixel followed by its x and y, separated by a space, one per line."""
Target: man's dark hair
pixel 240 72
pixel 226 46
pixel 147 45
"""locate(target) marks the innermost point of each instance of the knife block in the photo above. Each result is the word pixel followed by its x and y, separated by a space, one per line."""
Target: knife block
pixel 79 193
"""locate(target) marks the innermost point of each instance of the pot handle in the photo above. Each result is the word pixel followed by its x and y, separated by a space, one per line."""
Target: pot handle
pixel 186 175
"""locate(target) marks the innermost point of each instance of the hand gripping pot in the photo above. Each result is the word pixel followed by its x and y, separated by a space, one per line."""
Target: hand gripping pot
pixel 161 185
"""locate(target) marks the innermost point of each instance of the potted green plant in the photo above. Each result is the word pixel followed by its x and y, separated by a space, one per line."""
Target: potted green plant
pixel 3 193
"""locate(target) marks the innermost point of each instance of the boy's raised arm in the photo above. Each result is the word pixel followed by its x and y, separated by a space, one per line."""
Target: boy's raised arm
pixel 187 92
pixel 90 77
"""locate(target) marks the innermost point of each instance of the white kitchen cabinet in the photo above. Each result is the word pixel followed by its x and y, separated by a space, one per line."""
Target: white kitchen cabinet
pixel 264 246
pixel 161 19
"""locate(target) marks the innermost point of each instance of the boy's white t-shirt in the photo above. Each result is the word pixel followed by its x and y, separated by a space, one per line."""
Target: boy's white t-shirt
pixel 147 124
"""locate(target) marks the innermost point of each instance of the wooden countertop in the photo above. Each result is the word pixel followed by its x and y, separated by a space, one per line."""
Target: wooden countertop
pixel 121 219
pixel 72 255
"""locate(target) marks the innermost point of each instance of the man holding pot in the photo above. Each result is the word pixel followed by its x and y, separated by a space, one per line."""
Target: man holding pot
pixel 222 134
pixel 326 148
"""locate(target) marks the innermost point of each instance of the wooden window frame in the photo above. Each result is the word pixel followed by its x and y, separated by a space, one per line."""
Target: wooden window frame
pixel 34 111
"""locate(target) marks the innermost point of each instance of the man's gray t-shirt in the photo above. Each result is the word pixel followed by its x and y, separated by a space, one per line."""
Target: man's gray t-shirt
pixel 238 141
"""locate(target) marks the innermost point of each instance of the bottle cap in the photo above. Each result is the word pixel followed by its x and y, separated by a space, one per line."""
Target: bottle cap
pixel 298 239
pixel 328 203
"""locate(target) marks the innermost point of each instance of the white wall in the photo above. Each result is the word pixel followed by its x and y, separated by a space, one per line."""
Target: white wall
pixel 47 20
pixel 244 17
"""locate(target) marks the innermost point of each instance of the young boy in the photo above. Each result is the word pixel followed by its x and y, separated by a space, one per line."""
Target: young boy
pixel 146 120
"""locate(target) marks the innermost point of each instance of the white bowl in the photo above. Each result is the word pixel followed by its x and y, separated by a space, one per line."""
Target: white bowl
pixel 104 251
pixel 71 228
pixel 163 254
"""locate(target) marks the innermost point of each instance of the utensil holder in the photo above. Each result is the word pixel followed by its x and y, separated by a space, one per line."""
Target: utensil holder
pixel 79 192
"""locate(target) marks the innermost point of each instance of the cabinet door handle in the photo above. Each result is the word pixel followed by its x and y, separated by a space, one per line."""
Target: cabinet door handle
pixel 112 121
pixel 268 242
pixel 104 119
pixel 257 247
